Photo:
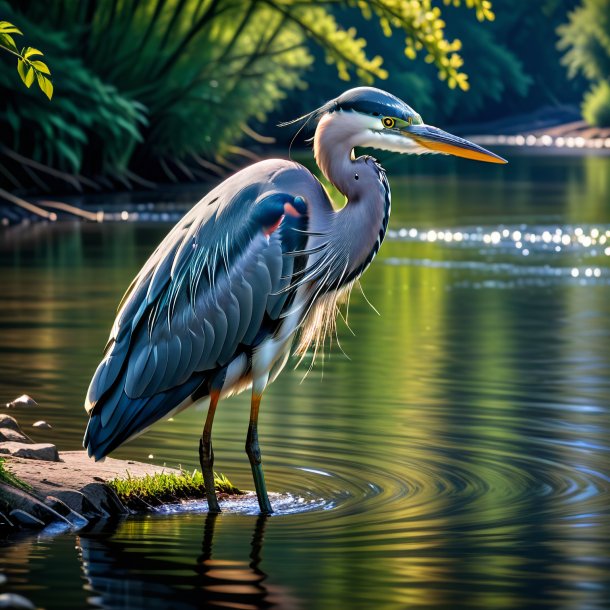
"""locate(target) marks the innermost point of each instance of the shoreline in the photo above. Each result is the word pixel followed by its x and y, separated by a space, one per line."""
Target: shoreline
pixel 73 491
pixel 40 486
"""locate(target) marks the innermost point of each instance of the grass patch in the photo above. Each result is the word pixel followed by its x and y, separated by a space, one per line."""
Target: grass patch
pixel 157 489
pixel 9 478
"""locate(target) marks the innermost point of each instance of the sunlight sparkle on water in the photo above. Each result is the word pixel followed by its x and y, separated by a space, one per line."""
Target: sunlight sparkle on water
pixel 573 247
pixel 540 239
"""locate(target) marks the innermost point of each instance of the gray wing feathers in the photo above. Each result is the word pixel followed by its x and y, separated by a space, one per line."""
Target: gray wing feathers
pixel 258 278
pixel 204 291
pixel 244 295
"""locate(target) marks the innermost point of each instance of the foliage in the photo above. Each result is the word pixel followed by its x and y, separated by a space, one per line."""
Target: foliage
pixel 586 39
pixel 28 68
pixel 9 478
pixel 151 87
pixel 161 488
pixel 505 76
pixel 596 105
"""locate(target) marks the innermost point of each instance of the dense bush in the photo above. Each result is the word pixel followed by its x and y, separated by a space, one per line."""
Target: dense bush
pixel 513 65
pixel 163 88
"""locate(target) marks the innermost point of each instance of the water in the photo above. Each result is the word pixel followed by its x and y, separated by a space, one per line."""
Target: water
pixel 459 458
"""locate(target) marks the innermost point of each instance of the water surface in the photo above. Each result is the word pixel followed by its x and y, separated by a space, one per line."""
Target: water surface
pixel 458 459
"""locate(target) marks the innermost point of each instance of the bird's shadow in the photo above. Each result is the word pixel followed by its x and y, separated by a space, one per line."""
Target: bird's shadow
pixel 127 576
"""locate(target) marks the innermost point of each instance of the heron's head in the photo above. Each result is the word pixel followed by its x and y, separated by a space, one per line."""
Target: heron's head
pixel 370 117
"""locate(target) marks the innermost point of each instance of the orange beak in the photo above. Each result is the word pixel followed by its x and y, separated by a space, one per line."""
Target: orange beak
pixel 438 140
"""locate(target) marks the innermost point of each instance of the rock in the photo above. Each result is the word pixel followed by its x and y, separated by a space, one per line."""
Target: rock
pixel 25 519
pixel 12 499
pixel 16 601
pixel 8 434
pixel 22 401
pixel 76 519
pixel 42 424
pixel 37 451
pixel 79 503
pixel 105 499
pixel 5 521
pixel 6 421
pixel 79 483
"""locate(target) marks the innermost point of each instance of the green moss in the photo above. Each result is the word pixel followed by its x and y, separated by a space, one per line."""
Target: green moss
pixel 157 489
pixel 10 478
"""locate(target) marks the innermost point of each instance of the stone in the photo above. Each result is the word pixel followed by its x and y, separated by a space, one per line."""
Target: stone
pixel 42 424
pixel 104 498
pixel 76 519
pixel 79 483
pixel 8 434
pixel 16 601
pixel 25 519
pixel 37 451
pixel 12 499
pixel 6 421
pixel 79 503
pixel 22 401
pixel 5 521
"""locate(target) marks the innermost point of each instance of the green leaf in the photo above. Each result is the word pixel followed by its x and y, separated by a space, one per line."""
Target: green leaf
pixel 41 67
pixel 9 28
pixel 21 68
pixel 32 51
pixel 67 153
pixel 45 85
pixel 8 42
pixel 29 77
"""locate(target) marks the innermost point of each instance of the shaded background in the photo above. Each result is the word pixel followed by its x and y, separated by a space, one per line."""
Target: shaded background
pixel 149 92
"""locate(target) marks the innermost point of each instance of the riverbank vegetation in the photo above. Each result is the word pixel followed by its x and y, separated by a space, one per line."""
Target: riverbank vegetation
pixel 139 493
pixel 149 92
pixel 9 478
pixel 167 90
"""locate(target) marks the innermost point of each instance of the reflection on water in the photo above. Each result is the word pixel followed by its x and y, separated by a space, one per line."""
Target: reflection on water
pixel 459 459
pixel 197 580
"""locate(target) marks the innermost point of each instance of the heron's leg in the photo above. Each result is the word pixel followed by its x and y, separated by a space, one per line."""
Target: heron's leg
pixel 206 454
pixel 254 452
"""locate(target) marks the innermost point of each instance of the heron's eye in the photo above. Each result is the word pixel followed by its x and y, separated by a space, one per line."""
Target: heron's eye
pixel 388 122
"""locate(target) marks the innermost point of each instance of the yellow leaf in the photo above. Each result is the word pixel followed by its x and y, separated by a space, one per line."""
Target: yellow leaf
pixel 9 28
pixel 7 41
pixel 21 69
pixel 45 85
pixel 31 51
pixel 29 77
pixel 41 67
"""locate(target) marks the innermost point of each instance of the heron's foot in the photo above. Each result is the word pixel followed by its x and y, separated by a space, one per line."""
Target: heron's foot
pixel 206 459
pixel 254 454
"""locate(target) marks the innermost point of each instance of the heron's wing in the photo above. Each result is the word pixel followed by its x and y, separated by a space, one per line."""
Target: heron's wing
pixel 215 282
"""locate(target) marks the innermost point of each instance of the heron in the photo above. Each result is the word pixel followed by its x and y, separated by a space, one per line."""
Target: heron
pixel 252 273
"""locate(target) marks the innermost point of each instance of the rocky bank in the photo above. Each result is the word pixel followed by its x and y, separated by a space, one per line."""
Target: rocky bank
pixel 62 487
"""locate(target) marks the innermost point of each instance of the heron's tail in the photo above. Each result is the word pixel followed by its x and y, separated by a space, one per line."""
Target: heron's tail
pixel 117 418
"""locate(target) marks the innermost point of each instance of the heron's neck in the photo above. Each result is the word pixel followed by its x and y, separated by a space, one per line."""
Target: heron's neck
pixel 360 226
pixel 333 149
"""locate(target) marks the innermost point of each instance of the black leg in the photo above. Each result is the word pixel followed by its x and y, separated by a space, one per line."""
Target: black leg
pixel 206 454
pixel 254 454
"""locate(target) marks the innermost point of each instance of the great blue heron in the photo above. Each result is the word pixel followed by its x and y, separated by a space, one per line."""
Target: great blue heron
pixel 262 258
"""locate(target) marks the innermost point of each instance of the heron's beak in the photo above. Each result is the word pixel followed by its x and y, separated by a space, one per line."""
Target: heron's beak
pixel 438 140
